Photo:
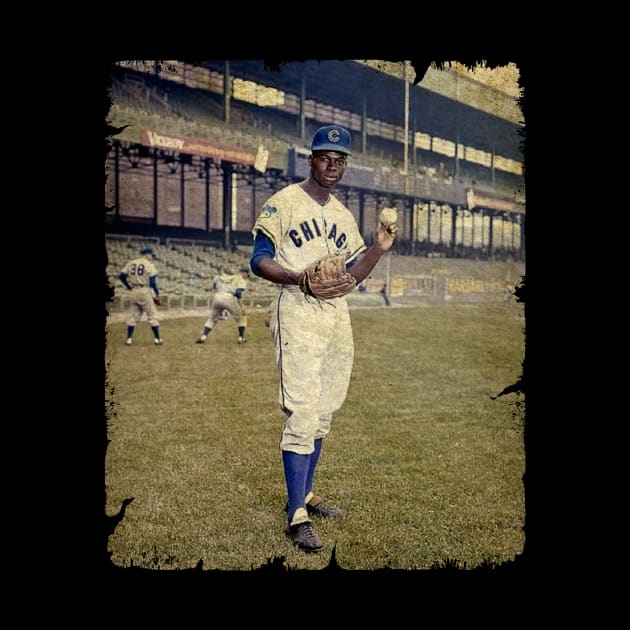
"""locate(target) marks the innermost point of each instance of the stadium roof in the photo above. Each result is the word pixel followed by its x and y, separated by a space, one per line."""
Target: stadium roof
pixel 349 85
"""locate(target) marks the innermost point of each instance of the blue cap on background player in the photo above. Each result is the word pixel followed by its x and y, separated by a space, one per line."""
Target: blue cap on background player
pixel 332 138
pixel 148 250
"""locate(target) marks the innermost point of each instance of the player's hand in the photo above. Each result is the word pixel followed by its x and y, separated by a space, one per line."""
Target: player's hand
pixel 387 229
pixel 383 238
pixel 156 301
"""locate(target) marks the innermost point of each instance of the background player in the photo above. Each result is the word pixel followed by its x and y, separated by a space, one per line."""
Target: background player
pixel 139 275
pixel 229 289
pixel 313 341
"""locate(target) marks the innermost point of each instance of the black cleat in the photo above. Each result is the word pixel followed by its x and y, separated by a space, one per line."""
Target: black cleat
pixel 325 511
pixel 304 537
pixel 200 341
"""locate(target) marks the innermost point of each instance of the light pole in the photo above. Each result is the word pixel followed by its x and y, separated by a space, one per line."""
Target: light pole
pixel 406 139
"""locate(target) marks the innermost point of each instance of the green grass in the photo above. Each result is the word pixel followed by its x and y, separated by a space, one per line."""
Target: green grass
pixel 428 464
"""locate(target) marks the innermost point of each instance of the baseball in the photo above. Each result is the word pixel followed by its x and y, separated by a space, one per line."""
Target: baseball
pixel 388 216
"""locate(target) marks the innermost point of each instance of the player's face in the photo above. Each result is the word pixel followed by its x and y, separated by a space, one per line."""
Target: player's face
pixel 327 167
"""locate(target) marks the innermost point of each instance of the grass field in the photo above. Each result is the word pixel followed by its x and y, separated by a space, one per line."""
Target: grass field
pixel 424 454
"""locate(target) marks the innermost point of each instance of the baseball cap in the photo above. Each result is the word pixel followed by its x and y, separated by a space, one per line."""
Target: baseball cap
pixel 332 138
pixel 148 250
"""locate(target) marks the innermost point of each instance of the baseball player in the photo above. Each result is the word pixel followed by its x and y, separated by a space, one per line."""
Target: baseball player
pixel 140 277
pixel 227 300
pixel 314 348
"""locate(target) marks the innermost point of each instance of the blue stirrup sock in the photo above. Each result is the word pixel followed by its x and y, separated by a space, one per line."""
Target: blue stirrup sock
pixel 295 470
pixel 130 330
pixel 312 464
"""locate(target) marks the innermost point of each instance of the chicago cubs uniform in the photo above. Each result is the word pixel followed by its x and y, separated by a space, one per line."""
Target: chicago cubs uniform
pixel 313 342
pixel 303 231
pixel 229 289
pixel 139 275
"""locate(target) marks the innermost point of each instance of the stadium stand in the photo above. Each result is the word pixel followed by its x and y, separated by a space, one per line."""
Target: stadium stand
pixel 187 268
pixel 451 261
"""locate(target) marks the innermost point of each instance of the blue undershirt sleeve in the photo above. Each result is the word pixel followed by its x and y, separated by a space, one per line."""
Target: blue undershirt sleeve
pixel 263 248
pixel 153 284
pixel 123 279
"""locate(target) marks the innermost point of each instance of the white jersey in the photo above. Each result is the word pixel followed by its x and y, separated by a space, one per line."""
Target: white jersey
pixel 228 283
pixel 303 231
pixel 139 271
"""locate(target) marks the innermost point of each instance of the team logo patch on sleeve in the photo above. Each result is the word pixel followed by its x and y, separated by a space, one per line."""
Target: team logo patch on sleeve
pixel 267 211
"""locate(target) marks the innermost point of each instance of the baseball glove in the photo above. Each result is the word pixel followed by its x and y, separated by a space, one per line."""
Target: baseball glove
pixel 327 278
